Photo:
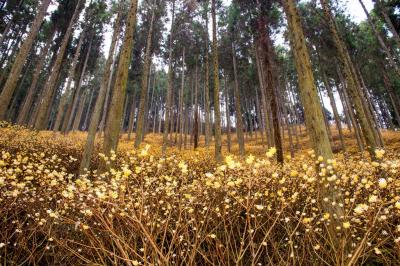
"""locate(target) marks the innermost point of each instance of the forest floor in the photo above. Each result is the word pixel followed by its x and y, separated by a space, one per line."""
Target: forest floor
pixel 186 209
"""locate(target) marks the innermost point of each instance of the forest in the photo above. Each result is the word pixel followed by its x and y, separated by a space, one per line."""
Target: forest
pixel 199 132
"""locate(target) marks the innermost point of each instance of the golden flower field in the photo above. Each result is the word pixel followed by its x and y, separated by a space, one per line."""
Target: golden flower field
pixel 185 209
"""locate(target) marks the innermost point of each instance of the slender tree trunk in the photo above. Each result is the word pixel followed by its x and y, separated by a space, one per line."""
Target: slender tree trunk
pixel 67 94
pixel 13 76
pixel 335 110
pixel 168 107
pixel 181 101
pixel 72 107
pixel 208 130
pixel 26 106
pixel 132 114
pixel 264 108
pixel 41 120
pixel 354 122
pixel 196 110
pixel 238 111
pixel 79 112
pixel 87 113
pixel 112 128
pixel 227 114
pixel 144 88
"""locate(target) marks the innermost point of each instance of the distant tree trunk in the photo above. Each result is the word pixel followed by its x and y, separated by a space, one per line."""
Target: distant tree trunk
pixel 87 113
pixel 349 107
pixel 13 76
pixel 41 120
pixel 124 114
pixel 132 114
pixel 144 88
pixel 207 86
pixel 335 110
pixel 112 129
pixel 27 104
pixel 227 114
pixel 181 101
pixel 264 108
pixel 260 123
pixel 67 93
pixel 168 107
pixel 238 111
pixel 196 111
pixel 353 84
pixel 79 112
pixel 72 106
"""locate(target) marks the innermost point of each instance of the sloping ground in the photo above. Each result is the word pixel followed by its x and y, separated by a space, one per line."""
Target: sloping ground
pixel 186 209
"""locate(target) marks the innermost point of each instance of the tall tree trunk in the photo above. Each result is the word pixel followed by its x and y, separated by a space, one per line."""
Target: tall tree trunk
pixel 207 104
pixel 26 106
pixel 168 106
pixel 227 113
pixel 238 111
pixel 87 113
pixel 41 120
pixel 144 88
pixel 349 107
pixel 13 76
pixel 79 111
pixel 181 101
pixel 196 111
pixel 72 106
pixel 112 128
pixel 353 84
pixel 269 84
pixel 132 114
pixel 335 110
pixel 312 107
pixel 265 113
pixel 67 93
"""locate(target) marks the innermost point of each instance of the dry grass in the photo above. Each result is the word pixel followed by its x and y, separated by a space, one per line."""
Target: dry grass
pixel 184 209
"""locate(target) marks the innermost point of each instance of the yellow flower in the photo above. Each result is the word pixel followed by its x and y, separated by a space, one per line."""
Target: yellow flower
pixel 250 159
pixel 379 153
pixel 213 236
pixel 382 183
pixel 259 207
pixel 346 225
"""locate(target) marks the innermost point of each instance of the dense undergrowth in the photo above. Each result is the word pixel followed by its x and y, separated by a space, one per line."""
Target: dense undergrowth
pixel 184 209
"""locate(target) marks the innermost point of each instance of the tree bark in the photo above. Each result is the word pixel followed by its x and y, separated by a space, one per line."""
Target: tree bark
pixel 238 111
pixel 112 128
pixel 26 106
pixel 144 88
pixel 168 107
pixel 67 94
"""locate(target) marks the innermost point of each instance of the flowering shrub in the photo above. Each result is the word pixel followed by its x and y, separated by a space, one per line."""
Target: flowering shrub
pixel 185 209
